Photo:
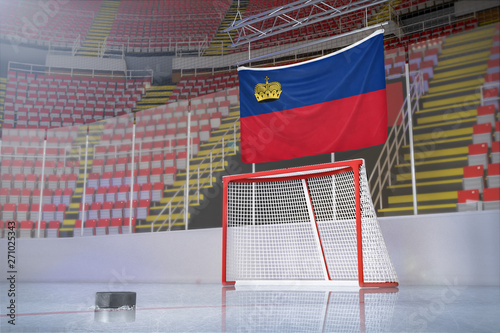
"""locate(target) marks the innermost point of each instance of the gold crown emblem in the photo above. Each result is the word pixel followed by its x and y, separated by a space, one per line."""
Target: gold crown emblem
pixel 267 92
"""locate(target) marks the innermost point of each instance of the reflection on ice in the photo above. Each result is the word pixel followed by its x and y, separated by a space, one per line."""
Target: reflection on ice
pixel 276 310
pixel 114 315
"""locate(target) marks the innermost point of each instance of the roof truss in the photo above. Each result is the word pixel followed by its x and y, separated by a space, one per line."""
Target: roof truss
pixel 292 16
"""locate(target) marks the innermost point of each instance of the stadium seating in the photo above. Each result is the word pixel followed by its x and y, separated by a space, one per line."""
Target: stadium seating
pixel 484 152
pixel 163 26
pixel 35 102
pixel 191 87
pixel 59 100
pixel 462 125
pixel 67 21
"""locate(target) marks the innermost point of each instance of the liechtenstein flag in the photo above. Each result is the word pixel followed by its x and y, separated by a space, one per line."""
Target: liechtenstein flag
pixel 329 104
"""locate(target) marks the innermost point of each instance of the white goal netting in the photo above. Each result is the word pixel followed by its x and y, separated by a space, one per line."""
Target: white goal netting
pixel 302 225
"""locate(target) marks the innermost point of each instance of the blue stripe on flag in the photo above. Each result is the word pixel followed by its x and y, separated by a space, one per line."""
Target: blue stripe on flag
pixel 355 70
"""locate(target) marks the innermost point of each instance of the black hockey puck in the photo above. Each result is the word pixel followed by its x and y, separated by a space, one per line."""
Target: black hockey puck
pixel 115 299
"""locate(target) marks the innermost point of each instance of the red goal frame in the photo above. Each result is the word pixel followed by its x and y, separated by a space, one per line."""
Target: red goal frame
pixel 343 166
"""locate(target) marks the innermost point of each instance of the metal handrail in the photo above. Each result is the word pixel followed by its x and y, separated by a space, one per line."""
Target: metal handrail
pixel 42 69
pixel 162 17
pixel 433 23
pixel 102 48
pixel 210 166
pixel 198 184
pixel 176 44
pixel 76 45
pixel 67 154
pixel 375 18
pixel 381 173
pixel 117 154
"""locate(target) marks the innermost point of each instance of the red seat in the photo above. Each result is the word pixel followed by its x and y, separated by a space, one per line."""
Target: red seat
pixel 145 192
pixel 102 227
pixel 468 200
pixel 106 178
pixel 101 194
pixel 156 175
pixel 53 229
pixel 8 212
pixel 473 178
pixel 98 165
pixel 60 212
pixel 89 228
pixel 23 212
pixel 115 226
pixel 126 209
pixel 19 181
pixel 127 223
pixel 49 212
pixel 89 194
pixel 157 191
pixel 144 171
pixel 93 179
pixel 53 181
pixel 34 211
pixel 123 192
pixel 143 209
pixel 482 133
pixel 4 194
pixel 493 179
pixel 7 180
pixel 67 195
pixel 486 114
pixel 169 175
pixel 26 229
pixel 14 196
pixel 95 208
pixel 495 152
pixel 491 194
pixel 117 210
pixel 491 198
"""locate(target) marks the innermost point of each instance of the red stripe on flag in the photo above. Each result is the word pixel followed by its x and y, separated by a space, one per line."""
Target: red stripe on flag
pixel 339 125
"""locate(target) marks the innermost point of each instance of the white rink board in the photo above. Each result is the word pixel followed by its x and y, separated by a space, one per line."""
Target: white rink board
pixel 435 249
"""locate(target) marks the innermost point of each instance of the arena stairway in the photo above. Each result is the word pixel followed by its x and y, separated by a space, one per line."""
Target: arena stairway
pixel 201 162
pixel 94 137
pixel 3 87
pixel 443 128
pixel 221 39
pixel 100 28
pixel 384 12
pixel 155 96
pixel 72 211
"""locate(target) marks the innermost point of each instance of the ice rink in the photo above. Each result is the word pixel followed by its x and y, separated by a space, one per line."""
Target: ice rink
pixel 56 307
pixel 447 266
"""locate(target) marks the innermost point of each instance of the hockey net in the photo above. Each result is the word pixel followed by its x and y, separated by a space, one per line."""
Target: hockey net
pixel 309 224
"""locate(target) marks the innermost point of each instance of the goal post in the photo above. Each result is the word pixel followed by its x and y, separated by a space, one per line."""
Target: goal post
pixel 307 225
